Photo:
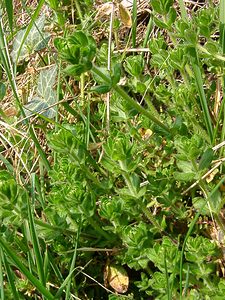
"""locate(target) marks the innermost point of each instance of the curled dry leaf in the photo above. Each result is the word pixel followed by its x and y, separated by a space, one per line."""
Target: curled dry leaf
pixel 104 10
pixel 145 133
pixel 125 16
pixel 211 176
pixel 116 277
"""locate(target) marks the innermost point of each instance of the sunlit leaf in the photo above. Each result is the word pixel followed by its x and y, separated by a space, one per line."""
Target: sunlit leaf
pixel 116 276
pixel 125 16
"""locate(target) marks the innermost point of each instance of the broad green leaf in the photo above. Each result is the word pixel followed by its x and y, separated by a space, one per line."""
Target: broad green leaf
pixel 198 203
pixel 134 65
pixel 35 41
pixel 216 202
pixel 185 166
pixel 162 7
pixel 45 95
pixel 199 248
pixel 101 89
pixel 184 176
pixel 206 159
pixel 116 74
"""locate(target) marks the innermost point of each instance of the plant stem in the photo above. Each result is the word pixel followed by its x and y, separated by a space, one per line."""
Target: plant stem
pixel 130 100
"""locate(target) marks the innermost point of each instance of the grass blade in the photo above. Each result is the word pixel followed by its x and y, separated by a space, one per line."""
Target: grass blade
pixel 62 287
pixel 167 276
pixel 72 266
pixel 184 14
pixel 222 44
pixel 148 33
pixel 11 279
pixel 14 256
pixel 7 164
pixel 37 251
pixel 2 295
pixel 9 9
pixel 134 23
pixel 203 101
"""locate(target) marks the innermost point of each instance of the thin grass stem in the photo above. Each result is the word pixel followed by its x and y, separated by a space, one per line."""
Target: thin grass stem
pixel 134 23
pixel 14 256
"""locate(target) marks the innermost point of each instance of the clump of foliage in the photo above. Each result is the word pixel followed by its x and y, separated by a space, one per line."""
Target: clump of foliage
pixel 119 192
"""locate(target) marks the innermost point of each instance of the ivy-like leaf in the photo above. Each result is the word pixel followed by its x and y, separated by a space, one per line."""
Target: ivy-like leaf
pixel 35 41
pixel 45 95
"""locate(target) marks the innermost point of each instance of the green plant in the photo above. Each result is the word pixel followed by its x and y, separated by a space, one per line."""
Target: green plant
pixel 144 194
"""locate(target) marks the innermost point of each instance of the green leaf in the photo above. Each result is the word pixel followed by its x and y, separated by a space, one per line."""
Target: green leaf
pixel 212 47
pixel 216 202
pixel 172 15
pixel 101 89
pixel 116 74
pixel 159 23
pixel 157 6
pixel 198 203
pixel 79 38
pixel 184 176
pixel 185 166
pixel 45 95
pixel 191 36
pixel 79 50
pixel 75 70
pixel 161 6
pixel 134 65
pixel 206 159
pixel 199 248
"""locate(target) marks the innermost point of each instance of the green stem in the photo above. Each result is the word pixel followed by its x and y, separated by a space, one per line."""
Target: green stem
pixel 148 32
pixel 99 230
pixel 79 12
pixel 130 100
pixel 144 209
pixel 184 14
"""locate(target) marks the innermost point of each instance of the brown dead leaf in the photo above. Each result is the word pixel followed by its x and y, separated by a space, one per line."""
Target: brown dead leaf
pixel 125 16
pixel 104 10
pixel 116 277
